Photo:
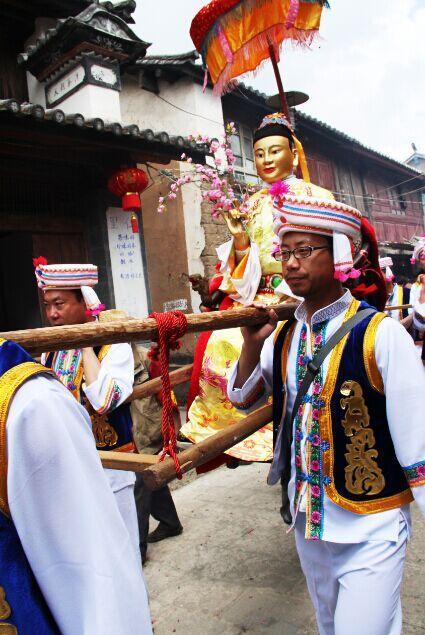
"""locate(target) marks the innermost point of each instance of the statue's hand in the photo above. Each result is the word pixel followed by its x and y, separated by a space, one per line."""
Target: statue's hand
pixel 234 223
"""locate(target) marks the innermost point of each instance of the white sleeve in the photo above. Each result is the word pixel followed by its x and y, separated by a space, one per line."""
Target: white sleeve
pixel 259 384
pixel 66 516
pixel 247 286
pixel 419 315
pixel 115 380
pixel 414 295
pixel 404 383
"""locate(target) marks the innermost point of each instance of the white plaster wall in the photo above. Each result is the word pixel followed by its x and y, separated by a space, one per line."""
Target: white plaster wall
pixel 195 235
pixel 36 93
pixel 94 101
pixel 203 110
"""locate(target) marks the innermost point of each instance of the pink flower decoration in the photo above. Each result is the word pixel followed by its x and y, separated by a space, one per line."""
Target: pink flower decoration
pixel 318 339
pixel 315 517
pixel 298 461
pixel 315 491
pixel 315 414
pixel 314 465
pixel 278 189
pixel 316 388
pixel 303 335
pixel 421 470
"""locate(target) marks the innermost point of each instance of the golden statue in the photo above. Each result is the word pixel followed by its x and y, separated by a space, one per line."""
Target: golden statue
pixel 248 273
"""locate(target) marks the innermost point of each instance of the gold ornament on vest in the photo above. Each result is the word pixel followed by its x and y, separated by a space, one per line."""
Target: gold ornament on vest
pixel 5 613
pixel 362 474
pixel 104 434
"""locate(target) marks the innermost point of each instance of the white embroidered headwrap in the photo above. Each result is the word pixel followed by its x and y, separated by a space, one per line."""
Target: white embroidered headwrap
pixel 386 264
pixel 70 276
pixel 419 250
pixel 327 218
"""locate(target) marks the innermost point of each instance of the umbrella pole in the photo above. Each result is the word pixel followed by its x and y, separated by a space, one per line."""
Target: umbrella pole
pixel 278 79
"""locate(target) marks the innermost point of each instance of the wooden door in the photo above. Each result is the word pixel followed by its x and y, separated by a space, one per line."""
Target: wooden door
pixel 19 304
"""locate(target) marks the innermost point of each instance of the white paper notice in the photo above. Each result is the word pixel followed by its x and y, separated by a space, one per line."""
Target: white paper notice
pixel 127 265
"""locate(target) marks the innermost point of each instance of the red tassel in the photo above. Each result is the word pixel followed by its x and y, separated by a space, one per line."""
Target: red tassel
pixel 134 224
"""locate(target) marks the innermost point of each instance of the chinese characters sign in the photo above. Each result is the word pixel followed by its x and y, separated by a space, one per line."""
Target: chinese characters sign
pixel 127 266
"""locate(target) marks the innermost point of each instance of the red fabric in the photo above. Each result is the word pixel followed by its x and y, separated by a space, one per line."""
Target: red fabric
pixel 171 327
pixel 371 285
pixel 197 367
pixel 205 19
pixel 215 282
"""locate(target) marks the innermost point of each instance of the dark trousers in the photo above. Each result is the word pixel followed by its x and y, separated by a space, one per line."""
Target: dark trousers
pixel 158 504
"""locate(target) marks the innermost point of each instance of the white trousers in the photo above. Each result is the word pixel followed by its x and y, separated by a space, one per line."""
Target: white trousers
pixel 354 588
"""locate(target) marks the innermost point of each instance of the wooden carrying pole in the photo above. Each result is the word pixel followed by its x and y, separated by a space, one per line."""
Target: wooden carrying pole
pixel 153 386
pixel 56 338
pixel 156 476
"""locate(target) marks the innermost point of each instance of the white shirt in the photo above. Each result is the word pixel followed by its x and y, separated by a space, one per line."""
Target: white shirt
pixel 116 367
pixel 67 519
pixel 404 383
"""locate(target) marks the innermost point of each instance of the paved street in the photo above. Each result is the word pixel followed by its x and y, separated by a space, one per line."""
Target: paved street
pixel 234 571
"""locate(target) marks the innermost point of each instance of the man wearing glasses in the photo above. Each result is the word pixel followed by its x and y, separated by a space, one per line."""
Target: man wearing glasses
pixel 351 452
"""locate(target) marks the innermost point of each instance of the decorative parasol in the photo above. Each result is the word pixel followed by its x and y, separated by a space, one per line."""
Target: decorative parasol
pixel 236 36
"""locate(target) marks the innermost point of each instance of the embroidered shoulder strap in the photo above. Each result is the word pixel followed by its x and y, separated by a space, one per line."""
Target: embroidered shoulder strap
pixel 372 370
pixel 10 382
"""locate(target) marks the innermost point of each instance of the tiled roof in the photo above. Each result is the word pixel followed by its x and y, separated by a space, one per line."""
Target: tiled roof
pixel 57 116
pixel 304 118
pixel 190 57
pixel 93 16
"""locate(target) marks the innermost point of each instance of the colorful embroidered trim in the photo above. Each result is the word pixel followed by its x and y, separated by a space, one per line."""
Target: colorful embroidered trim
pixel 313 446
pixel 10 382
pixel 113 394
pixel 254 395
pixel 372 370
pixel 415 474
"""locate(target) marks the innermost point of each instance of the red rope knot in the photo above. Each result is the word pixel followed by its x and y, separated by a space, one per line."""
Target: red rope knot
pixel 171 327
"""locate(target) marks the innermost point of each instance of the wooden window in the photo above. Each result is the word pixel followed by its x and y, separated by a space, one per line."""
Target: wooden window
pixel 242 147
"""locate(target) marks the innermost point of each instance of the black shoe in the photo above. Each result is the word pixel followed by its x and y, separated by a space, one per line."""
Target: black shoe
pixel 164 531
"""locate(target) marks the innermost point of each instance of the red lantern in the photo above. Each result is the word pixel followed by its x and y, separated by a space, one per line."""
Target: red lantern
pixel 129 183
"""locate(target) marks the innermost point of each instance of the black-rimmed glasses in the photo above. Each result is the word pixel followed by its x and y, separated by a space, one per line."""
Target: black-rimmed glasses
pixel 299 252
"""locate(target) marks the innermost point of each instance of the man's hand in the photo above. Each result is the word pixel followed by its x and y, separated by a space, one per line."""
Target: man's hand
pixel 254 338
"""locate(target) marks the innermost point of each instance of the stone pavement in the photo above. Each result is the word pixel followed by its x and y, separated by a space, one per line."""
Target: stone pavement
pixel 235 571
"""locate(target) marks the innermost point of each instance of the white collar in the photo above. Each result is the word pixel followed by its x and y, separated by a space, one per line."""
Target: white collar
pixel 327 312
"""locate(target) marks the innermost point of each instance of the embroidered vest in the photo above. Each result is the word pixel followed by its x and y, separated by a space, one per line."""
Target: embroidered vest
pixel 112 427
pixel 23 608
pixel 359 469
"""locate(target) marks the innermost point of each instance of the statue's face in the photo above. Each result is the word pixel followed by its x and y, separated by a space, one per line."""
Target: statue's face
pixel 274 158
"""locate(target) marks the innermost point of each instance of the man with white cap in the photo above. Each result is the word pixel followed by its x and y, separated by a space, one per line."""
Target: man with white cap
pixel 346 381
pixel 397 293
pixel 100 379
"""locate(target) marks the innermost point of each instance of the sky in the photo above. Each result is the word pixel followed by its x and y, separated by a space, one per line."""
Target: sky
pixel 365 76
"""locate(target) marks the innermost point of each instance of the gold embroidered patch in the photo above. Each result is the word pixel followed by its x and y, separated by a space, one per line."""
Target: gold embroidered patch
pixel 104 434
pixel 362 474
pixel 5 613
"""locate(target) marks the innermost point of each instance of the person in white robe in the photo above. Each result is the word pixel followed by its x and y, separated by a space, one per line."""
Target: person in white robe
pixel 62 507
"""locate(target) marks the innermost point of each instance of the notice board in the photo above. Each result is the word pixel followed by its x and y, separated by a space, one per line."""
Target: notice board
pixel 128 273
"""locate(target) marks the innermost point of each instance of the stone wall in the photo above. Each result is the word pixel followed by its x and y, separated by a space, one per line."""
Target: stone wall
pixel 216 233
